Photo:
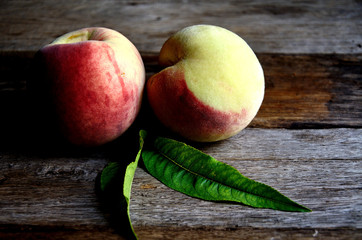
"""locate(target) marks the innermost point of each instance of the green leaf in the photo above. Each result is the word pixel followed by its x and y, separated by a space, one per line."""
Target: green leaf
pixel 115 184
pixel 131 168
pixel 192 172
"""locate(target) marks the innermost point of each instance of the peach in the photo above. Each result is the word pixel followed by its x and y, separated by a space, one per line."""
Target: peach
pixel 212 85
pixel 95 78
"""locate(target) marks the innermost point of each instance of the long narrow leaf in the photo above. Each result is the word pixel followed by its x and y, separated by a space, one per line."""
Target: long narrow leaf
pixel 116 183
pixel 188 170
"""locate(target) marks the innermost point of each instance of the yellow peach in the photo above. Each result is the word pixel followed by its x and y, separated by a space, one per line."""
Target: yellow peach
pixel 212 85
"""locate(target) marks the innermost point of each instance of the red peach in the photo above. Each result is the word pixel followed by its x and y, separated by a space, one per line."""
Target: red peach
pixel 95 77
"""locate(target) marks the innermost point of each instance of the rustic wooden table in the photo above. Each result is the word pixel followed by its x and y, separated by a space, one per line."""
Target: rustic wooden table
pixel 305 141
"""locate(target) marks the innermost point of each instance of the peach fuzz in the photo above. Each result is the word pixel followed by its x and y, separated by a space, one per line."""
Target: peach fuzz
pixel 95 79
pixel 212 85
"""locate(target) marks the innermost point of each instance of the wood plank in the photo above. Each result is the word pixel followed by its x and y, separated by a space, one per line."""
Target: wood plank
pixel 248 233
pixel 311 91
pixel 57 233
pixel 305 90
pixel 70 201
pixel 157 233
pixel 59 190
pixel 335 201
pixel 302 91
pixel 306 144
pixel 277 27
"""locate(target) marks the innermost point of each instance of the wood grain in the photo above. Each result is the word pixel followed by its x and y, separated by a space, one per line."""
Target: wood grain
pixel 249 233
pixel 312 91
pixel 57 233
pixel 60 190
pixel 266 144
pixel 171 233
pixel 305 141
pixel 275 27
pixel 329 199
pixel 302 91
pixel 305 90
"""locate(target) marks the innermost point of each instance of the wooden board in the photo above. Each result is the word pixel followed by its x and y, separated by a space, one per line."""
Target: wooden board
pixel 277 27
pixel 60 191
pixel 302 91
pixel 305 141
pixel 306 91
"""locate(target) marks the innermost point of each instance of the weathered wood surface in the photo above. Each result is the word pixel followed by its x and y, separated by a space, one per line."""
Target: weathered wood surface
pixel 302 91
pixel 305 141
pixel 59 191
pixel 277 26
pixel 306 91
